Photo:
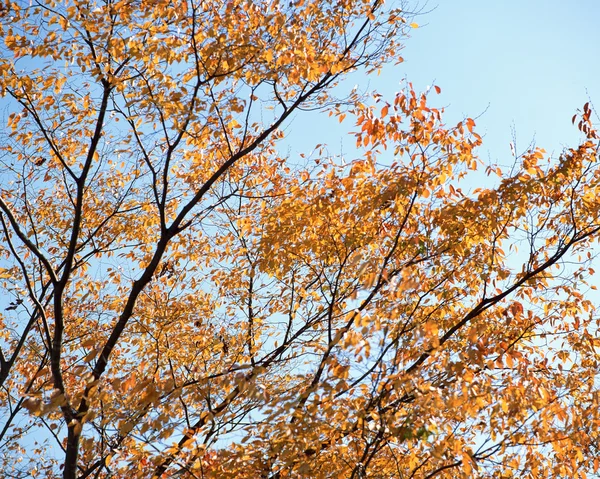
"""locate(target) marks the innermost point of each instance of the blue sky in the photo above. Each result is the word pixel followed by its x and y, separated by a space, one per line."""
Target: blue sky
pixel 522 64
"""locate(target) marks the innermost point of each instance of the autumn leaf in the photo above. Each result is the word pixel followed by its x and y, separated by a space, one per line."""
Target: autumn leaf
pixel 187 297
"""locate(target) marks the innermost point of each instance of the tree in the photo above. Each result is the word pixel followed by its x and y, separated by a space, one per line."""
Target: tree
pixel 185 301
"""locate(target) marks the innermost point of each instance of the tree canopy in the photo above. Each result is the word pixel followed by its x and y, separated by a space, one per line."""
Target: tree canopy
pixel 183 298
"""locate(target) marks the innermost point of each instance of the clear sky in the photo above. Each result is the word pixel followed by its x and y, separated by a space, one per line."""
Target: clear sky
pixel 527 64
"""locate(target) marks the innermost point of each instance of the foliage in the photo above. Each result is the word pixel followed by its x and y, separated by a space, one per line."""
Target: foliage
pixel 185 301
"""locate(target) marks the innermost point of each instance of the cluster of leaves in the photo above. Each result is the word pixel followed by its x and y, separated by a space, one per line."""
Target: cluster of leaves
pixel 183 301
